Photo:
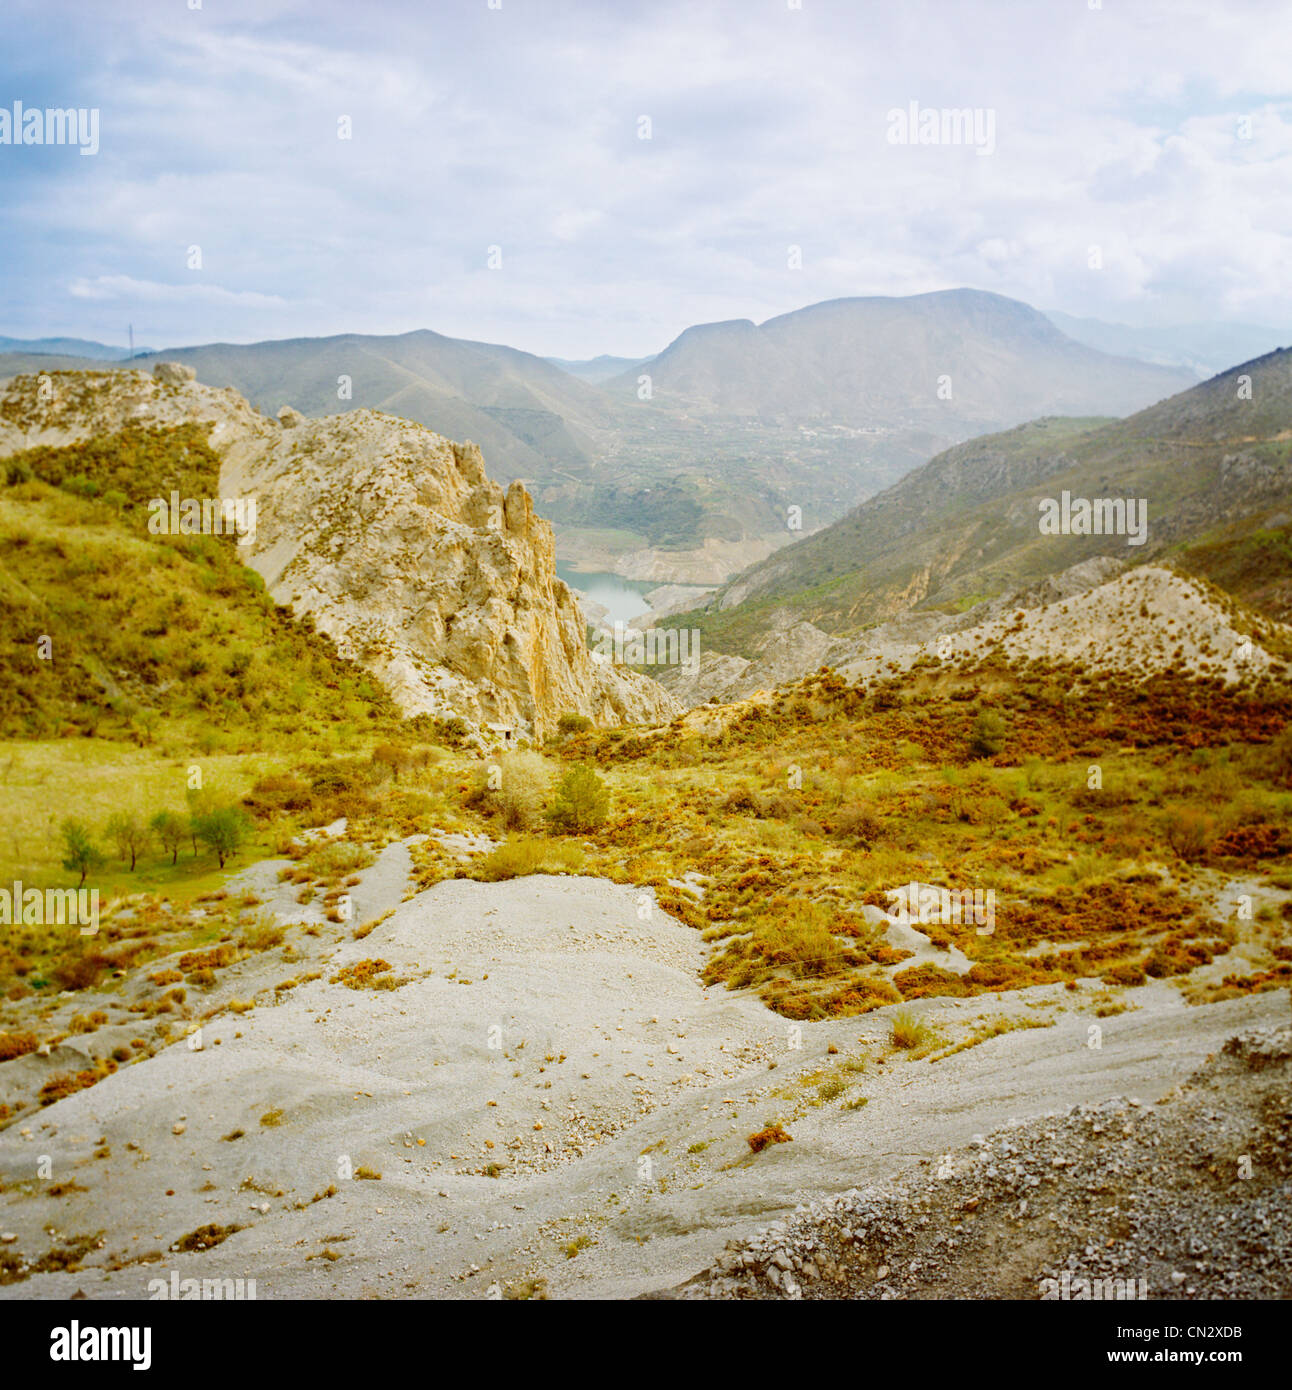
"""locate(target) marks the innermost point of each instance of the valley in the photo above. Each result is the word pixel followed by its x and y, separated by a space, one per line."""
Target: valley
pixel 532 994
pixel 695 481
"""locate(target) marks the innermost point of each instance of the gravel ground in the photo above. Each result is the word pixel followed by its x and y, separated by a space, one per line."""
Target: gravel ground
pixel 1188 1198
pixel 554 1102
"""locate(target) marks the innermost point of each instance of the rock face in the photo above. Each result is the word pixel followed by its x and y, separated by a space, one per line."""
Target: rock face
pixel 392 537
pixel 1138 622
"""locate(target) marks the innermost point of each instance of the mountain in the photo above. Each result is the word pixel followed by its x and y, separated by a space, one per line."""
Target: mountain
pixel 533 419
pixel 598 369
pixel 751 435
pixel 385 537
pixel 1203 348
pixel 940 361
pixel 1212 465
pixel 68 347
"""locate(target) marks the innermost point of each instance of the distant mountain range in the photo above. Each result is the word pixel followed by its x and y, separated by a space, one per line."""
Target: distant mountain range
pixel 927 360
pixel 1213 464
pixel 67 347
pixel 1203 348
pixel 812 410
pixel 597 369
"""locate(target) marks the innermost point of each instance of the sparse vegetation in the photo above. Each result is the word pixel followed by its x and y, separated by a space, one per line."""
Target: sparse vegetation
pixel 769 1134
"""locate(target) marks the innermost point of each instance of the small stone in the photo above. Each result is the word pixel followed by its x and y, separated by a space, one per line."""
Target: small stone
pixel 882 1272
pixel 178 1127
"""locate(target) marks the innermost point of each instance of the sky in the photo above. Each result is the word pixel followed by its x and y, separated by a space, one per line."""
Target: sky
pixel 496 183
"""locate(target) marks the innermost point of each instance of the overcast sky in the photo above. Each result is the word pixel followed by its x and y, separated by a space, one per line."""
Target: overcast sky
pixel 1159 131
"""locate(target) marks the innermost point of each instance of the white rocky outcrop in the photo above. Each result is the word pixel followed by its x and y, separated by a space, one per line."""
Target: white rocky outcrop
pixel 391 537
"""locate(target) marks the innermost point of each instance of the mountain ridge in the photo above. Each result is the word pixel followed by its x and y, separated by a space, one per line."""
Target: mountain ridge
pixel 965 525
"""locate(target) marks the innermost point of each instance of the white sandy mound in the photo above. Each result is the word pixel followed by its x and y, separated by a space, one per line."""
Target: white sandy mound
pixel 1148 620
pixel 1143 623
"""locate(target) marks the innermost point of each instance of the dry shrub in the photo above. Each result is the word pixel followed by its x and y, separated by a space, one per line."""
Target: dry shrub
pixel 858 824
pixel 1189 831
pixel 17 1045
pixel 81 972
pixel 908 1031
pixel 800 935
pixel 523 781
pixel 770 1134
pixel 524 854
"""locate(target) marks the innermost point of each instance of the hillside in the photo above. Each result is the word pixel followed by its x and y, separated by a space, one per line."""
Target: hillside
pixel 877 362
pixel 645 1097
pixel 1203 348
pixel 391 539
pixel 966 526
pixel 528 416
pixel 84 348
pixel 817 409
pixel 150 633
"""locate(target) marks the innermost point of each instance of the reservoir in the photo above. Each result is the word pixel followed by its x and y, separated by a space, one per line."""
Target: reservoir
pixel 624 598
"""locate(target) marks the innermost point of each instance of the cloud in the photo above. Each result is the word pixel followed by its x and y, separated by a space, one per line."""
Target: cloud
pixel 519 127
pixel 120 288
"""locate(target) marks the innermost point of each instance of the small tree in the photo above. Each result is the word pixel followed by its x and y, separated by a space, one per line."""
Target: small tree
pixel 201 802
pixel 582 800
pixel 225 831
pixel 392 756
pixel 571 723
pixel 988 736
pixel 79 851
pixel 171 832
pixel 126 830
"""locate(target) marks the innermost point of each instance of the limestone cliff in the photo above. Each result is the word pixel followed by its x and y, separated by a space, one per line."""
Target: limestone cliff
pixel 392 537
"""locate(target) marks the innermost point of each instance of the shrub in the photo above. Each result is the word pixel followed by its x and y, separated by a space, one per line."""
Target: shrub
pixel 452 731
pixel 987 736
pixel 80 972
pixel 582 800
pixel 280 791
pixel 800 934
pixel 17 1045
pixel 908 1031
pixel 1128 973
pixel 523 855
pixel 769 1134
pixel 1189 831
pixel 263 934
pixel 515 789
pixel 393 757
pixel 857 823
pixel 573 724
pixel 1280 758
